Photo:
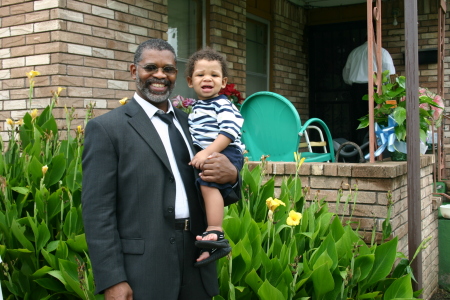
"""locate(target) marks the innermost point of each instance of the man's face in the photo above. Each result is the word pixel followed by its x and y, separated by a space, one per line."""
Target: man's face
pixel 155 76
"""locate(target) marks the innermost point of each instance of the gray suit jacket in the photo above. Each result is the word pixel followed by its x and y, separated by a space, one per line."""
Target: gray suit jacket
pixel 128 205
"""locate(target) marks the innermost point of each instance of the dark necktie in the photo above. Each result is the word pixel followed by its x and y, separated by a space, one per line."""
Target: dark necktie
pixel 182 158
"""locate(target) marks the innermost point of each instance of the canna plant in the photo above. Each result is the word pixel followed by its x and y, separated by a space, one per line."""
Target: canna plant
pixel 287 248
pixel 42 243
pixel 283 248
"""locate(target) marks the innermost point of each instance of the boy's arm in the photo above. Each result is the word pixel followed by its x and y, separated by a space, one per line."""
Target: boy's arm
pixel 220 143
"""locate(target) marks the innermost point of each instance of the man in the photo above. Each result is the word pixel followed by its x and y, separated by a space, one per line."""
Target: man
pixel 141 215
pixel 355 73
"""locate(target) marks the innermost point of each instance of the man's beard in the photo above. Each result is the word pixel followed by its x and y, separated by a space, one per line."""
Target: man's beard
pixel 154 96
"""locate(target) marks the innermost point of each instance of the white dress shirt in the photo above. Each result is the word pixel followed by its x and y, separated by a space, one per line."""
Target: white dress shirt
pixel 181 203
pixel 356 68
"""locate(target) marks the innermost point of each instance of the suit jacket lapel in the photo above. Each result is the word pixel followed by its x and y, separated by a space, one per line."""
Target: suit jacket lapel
pixel 140 121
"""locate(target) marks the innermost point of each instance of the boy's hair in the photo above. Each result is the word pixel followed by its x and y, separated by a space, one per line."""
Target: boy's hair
pixel 153 44
pixel 208 54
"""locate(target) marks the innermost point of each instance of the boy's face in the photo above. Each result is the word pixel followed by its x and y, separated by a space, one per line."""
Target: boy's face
pixel 207 79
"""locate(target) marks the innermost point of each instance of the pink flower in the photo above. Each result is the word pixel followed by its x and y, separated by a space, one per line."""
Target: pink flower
pixel 188 102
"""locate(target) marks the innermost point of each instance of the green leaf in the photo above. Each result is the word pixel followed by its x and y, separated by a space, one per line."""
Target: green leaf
pixel 78 244
pixel 72 223
pixel 55 170
pixel 50 258
pixel 69 272
pixel 400 288
pixel 253 280
pixel 322 280
pixel 269 292
pixel 43 237
pixel 399 115
pixel 384 261
pixel 21 190
pixel 364 263
pixel 18 232
pixel 51 284
pixel 41 272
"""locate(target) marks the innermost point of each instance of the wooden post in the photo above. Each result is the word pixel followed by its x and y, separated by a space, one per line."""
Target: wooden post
pixel 413 140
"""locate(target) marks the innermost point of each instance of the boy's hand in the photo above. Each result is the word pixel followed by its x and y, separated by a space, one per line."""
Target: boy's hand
pixel 199 159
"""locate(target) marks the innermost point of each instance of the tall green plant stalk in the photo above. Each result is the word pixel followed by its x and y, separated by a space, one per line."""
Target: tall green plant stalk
pixel 41 231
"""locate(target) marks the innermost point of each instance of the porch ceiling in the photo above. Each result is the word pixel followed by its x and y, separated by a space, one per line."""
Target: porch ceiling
pixel 325 3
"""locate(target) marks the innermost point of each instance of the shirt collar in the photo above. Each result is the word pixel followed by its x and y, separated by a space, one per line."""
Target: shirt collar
pixel 150 108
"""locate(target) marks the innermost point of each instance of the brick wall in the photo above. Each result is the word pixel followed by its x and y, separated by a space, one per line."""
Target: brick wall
pixel 83 46
pixel 289 71
pixel 227 35
pixel 371 186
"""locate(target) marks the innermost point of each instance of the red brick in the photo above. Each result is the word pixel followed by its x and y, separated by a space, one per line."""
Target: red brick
pixel 95 62
pixel 22 8
pixel 13 41
pixel 13 20
pixel 38 38
pixel 94 20
pixel 22 51
pixel 38 16
pixel 95 41
pixel 51 47
pixel 79 6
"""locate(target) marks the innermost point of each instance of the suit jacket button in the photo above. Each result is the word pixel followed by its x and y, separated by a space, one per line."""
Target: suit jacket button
pixel 170 209
pixel 172 240
pixel 171 179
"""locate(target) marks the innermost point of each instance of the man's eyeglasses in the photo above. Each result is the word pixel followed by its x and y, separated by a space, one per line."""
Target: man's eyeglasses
pixel 152 69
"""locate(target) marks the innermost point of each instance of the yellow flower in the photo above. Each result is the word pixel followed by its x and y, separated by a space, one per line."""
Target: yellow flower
pixel 32 74
pixel 298 159
pixel 272 204
pixel 294 218
pixel 34 113
pixel 79 130
pixel 60 89
pixel 20 122
pixel 44 169
pixel 123 101
pixel 10 122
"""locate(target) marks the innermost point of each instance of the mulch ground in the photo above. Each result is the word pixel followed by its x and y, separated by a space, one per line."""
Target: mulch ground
pixel 440 295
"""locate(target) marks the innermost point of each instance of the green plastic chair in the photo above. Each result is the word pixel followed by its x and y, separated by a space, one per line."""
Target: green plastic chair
pixel 272 127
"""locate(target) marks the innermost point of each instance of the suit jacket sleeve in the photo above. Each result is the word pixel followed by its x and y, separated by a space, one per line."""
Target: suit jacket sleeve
pixel 235 195
pixel 99 193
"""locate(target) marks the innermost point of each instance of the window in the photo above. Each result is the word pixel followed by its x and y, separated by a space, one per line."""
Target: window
pixel 257 55
pixel 184 34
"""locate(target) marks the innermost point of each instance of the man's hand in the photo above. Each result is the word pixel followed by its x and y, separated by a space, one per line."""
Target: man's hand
pixel 120 291
pixel 218 168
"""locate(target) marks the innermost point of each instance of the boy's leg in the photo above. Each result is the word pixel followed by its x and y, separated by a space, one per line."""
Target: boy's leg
pixel 214 210
pixel 214 213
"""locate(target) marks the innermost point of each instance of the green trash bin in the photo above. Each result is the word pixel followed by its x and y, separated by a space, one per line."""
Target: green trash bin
pixel 444 255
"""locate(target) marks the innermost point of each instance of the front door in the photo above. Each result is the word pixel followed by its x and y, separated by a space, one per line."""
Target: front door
pixel 330 97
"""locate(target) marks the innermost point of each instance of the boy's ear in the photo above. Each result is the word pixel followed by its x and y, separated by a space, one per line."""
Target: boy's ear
pixel 189 81
pixel 224 82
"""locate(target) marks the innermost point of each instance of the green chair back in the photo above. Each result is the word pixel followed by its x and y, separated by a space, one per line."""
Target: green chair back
pixel 272 126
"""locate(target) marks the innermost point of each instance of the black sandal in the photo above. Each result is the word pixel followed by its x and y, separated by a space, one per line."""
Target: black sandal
pixel 221 241
pixel 214 254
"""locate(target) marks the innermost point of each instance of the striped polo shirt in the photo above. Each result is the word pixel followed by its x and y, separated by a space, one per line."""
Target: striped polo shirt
pixel 215 116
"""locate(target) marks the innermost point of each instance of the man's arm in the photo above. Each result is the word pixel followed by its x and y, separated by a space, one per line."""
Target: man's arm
pixel 217 168
pixel 99 207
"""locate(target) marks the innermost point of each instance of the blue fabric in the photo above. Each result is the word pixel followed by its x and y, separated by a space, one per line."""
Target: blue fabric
pixel 233 153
